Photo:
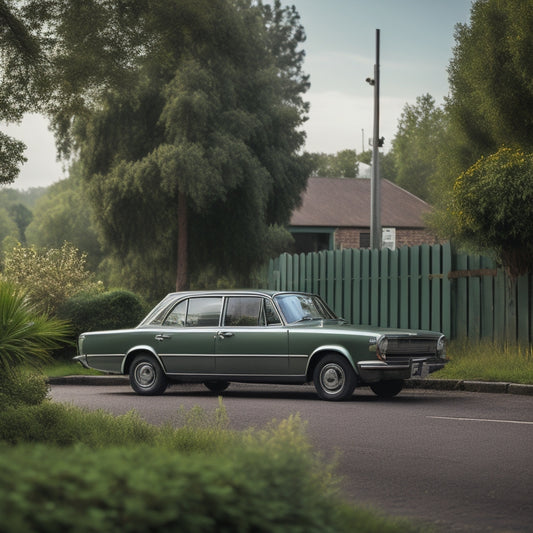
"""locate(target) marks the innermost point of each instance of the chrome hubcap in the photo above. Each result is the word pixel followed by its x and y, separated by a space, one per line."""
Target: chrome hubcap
pixel 145 375
pixel 332 378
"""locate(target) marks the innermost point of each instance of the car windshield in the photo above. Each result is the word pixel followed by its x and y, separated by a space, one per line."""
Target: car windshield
pixel 300 307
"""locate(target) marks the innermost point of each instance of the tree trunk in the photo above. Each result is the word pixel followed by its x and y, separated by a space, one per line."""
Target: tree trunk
pixel 182 281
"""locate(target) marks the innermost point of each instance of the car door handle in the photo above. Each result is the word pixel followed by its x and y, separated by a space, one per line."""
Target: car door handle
pixel 224 334
pixel 161 337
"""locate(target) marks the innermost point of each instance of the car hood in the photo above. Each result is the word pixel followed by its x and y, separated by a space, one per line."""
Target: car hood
pixel 370 331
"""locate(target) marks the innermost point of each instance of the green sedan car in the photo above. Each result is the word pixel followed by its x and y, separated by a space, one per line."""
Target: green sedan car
pixel 257 336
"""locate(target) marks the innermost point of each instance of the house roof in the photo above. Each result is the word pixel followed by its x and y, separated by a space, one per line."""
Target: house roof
pixel 345 202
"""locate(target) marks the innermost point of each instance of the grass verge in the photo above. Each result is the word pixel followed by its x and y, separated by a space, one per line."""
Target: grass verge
pixel 487 361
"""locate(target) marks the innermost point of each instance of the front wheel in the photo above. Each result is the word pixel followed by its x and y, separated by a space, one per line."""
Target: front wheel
pixel 147 376
pixel 387 389
pixel 334 378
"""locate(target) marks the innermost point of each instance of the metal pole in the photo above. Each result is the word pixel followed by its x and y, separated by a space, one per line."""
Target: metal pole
pixel 375 185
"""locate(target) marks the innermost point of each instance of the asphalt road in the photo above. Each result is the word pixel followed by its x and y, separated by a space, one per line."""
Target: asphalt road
pixel 459 461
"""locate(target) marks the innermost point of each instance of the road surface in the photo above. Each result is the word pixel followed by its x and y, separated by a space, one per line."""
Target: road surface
pixel 460 461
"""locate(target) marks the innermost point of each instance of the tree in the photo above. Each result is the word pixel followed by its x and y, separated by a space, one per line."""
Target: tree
pixel 491 88
pixel 343 164
pixel 416 146
pixel 492 208
pixel 62 215
pixel 202 150
pixel 20 57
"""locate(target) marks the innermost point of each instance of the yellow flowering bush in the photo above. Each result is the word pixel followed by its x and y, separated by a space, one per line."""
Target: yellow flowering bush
pixel 49 276
pixel 492 208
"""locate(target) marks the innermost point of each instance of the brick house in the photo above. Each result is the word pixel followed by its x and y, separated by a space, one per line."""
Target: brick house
pixel 335 213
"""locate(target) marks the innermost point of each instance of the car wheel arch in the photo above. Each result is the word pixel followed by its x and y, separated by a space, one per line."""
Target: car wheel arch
pixel 134 352
pixel 321 352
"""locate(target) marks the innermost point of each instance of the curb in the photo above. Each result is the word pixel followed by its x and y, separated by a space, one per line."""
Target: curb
pixel 494 387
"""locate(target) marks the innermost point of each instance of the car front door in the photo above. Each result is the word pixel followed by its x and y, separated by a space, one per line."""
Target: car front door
pixel 251 340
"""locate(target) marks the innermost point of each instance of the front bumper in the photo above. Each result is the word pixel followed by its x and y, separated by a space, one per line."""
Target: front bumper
pixel 374 371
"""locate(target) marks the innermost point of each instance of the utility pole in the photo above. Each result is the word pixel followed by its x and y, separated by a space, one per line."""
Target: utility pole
pixel 375 185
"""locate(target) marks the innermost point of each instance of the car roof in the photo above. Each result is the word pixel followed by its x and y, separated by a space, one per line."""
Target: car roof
pixel 231 292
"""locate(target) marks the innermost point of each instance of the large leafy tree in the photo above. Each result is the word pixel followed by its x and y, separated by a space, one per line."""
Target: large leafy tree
pixel 491 87
pixel 421 129
pixel 187 128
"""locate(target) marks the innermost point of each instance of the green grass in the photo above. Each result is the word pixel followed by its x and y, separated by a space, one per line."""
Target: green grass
pixel 488 362
pixel 67 368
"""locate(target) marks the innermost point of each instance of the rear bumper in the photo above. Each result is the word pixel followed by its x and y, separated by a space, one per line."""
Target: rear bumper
pixel 82 359
pixel 374 371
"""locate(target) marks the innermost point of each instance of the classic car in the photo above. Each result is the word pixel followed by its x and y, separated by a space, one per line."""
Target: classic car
pixel 218 337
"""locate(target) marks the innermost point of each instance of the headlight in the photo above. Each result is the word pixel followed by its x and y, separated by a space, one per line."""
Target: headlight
pixel 441 346
pixel 383 344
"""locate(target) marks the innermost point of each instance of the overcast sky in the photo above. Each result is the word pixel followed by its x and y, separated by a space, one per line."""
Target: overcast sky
pixel 417 37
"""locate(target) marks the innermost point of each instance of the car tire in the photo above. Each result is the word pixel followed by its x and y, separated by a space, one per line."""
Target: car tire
pixel 334 378
pixel 147 376
pixel 216 386
pixel 387 389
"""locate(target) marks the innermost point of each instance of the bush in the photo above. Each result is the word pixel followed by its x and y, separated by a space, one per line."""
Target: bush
pixel 50 276
pixel 268 481
pixel 492 208
pixel 20 388
pixel 115 309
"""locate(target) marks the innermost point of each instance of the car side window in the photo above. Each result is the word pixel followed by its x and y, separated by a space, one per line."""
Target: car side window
pixel 243 311
pixel 271 316
pixel 204 312
pixel 176 317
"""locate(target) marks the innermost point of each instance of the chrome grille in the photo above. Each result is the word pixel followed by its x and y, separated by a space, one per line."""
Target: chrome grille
pixel 404 347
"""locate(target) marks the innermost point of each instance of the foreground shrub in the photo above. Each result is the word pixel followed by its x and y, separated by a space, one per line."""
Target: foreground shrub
pixel 19 388
pixel 65 425
pixel 268 481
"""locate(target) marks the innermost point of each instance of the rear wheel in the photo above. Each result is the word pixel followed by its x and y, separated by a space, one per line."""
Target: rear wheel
pixel 334 378
pixel 216 386
pixel 147 376
pixel 387 389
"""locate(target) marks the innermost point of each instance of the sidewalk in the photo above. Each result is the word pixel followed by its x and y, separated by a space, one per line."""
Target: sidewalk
pixel 435 384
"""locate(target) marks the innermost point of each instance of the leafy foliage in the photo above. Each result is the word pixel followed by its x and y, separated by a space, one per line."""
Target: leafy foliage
pixel 115 309
pixel 416 146
pixel 50 276
pixel 268 481
pixel 491 93
pixel 343 164
pixel 62 215
pixel 26 336
pixel 19 387
pixel 492 208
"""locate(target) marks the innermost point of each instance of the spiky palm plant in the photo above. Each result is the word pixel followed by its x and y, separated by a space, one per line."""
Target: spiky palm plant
pixel 26 336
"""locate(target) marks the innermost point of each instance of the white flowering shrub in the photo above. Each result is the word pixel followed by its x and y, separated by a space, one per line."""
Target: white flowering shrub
pixel 49 276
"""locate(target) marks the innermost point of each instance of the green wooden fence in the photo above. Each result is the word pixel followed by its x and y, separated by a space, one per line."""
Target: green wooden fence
pixel 421 287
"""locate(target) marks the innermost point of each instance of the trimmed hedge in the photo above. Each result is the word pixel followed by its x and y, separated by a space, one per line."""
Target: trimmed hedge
pixel 115 309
